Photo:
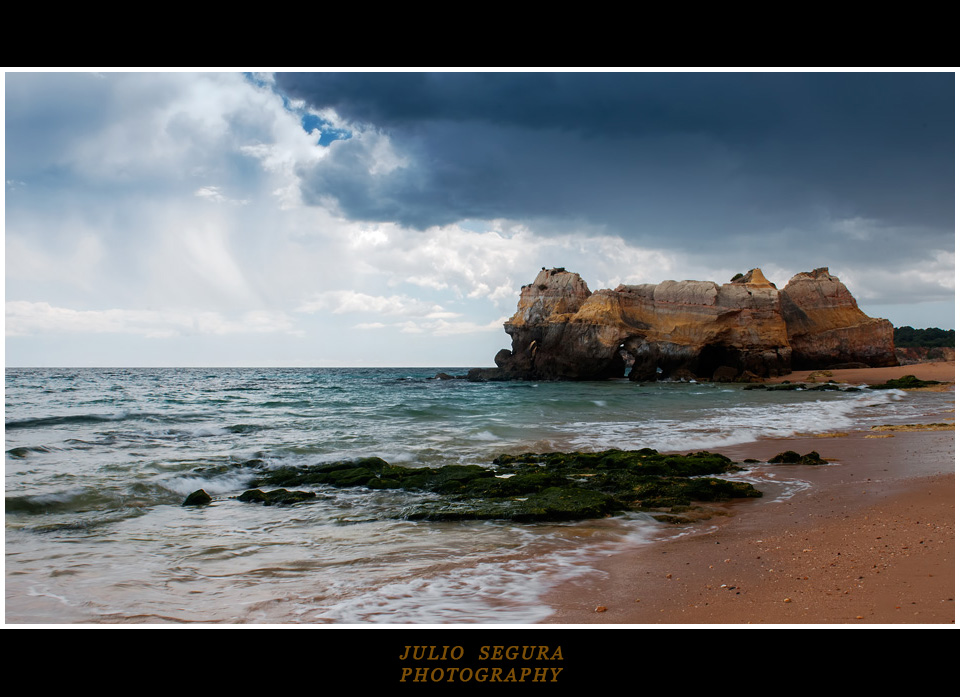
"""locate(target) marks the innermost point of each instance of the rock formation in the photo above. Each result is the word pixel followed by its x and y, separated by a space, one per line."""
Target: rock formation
pixel 825 325
pixel 745 329
pixel 916 354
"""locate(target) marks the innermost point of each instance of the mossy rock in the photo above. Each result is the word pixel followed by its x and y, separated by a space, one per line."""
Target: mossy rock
pixel 342 473
pixel 357 476
pixel 517 485
pixel 383 483
pixel 790 457
pixel 551 505
pixel 829 386
pixel 451 479
pixel 649 462
pixel 907 382
pixel 528 487
pixel 670 492
pixel 278 497
pixel 376 474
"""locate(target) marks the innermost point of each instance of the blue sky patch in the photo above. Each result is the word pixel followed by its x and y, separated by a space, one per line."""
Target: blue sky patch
pixel 328 133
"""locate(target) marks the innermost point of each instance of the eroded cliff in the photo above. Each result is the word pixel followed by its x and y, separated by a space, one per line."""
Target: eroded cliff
pixel 686 329
pixel 825 326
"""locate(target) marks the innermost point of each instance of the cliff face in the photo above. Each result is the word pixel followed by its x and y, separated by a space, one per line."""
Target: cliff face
pixel 825 325
pixel 562 331
pixel 686 329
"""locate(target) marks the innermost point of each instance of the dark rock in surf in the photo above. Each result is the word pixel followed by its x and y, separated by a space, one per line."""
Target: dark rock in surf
pixel 197 498
pixel 552 504
pixel 789 457
pixel 907 382
pixel 533 486
pixel 278 497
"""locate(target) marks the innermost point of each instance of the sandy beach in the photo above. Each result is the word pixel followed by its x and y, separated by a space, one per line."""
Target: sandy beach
pixel 868 542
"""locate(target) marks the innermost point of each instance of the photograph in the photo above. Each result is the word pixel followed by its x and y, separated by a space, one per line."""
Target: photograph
pixel 531 348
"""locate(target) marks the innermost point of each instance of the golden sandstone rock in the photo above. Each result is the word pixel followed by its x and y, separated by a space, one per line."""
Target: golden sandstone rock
pixel 745 329
pixel 825 326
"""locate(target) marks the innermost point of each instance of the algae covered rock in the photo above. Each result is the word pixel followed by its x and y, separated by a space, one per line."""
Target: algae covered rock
pixel 528 487
pixel 374 473
pixel 790 457
pixel 907 382
pixel 575 485
pixel 278 497
pixel 552 504
pixel 646 461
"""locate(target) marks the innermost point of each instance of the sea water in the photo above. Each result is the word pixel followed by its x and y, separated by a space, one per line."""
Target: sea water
pixel 99 462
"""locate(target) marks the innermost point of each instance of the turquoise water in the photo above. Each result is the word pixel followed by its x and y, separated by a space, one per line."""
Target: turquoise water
pixel 99 461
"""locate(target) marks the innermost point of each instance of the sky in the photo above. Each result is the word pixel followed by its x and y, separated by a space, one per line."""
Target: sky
pixel 389 219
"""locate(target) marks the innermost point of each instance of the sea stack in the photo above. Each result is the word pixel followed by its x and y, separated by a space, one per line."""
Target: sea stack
pixel 826 327
pixel 742 330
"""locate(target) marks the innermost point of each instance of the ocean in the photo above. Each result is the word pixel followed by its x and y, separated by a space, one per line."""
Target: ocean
pixel 99 462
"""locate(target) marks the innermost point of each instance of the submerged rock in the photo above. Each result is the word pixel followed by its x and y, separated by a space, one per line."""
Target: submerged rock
pixel 806 387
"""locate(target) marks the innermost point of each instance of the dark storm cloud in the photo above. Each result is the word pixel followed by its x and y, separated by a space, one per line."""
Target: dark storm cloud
pixel 733 105
pixel 611 102
pixel 696 157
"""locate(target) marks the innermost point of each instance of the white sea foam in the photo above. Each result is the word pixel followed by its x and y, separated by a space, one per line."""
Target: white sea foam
pixel 731 425
pixel 490 588
pixel 217 485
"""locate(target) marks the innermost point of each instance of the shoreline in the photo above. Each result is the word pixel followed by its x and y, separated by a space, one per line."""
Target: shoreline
pixel 870 541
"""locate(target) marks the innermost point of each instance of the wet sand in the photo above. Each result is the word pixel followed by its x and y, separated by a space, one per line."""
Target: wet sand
pixel 870 541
